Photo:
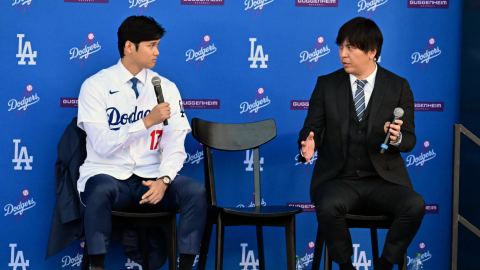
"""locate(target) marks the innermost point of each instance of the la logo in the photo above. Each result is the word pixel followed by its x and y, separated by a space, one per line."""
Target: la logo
pixel 249 161
pixel 249 261
pixel 19 260
pixel 27 51
pixel 22 158
pixel 360 260
pixel 258 55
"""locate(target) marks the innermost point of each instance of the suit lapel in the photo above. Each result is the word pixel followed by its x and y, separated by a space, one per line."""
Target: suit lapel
pixel 376 99
pixel 343 103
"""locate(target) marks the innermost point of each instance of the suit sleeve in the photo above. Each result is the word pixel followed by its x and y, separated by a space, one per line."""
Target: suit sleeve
pixel 315 120
pixel 408 128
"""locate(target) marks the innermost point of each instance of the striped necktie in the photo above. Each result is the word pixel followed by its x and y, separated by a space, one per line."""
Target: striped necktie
pixel 134 86
pixel 359 99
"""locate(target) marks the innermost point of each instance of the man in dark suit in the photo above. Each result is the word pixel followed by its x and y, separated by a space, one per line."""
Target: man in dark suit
pixel 347 120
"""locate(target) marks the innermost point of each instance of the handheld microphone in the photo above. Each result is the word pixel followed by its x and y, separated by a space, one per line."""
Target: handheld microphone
pixel 398 113
pixel 156 81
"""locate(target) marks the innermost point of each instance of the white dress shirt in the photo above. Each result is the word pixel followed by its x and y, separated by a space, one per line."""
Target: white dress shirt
pixel 118 144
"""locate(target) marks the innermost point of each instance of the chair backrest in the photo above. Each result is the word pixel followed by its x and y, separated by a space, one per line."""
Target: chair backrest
pixel 232 137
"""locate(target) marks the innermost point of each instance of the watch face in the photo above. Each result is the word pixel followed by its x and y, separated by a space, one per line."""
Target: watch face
pixel 166 180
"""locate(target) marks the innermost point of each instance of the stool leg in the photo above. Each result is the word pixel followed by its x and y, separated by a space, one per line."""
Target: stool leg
pixel 172 243
pixel 290 237
pixel 317 253
pixel 261 251
pixel 328 262
pixel 403 264
pixel 207 236
pixel 85 259
pixel 144 247
pixel 219 245
pixel 374 239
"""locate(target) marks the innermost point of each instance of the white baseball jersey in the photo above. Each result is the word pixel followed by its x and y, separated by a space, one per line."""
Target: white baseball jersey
pixel 118 144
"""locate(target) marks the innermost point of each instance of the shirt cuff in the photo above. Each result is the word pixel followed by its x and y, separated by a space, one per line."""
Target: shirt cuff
pixel 167 171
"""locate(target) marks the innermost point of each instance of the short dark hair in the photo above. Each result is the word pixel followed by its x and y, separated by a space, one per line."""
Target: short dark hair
pixel 362 33
pixel 137 29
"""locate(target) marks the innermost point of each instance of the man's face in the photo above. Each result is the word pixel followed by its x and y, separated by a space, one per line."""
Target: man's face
pixel 354 60
pixel 146 55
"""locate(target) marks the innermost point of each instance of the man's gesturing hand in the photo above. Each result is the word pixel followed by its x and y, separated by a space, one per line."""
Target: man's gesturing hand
pixel 158 114
pixel 156 192
pixel 394 129
pixel 308 147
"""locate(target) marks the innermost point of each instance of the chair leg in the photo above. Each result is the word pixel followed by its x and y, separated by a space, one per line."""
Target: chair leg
pixel 261 250
pixel 172 243
pixel 144 247
pixel 374 239
pixel 219 245
pixel 207 236
pixel 403 264
pixel 85 259
pixel 290 237
pixel 317 253
pixel 327 259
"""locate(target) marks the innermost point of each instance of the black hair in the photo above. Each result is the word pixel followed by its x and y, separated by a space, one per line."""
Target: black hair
pixel 137 29
pixel 362 33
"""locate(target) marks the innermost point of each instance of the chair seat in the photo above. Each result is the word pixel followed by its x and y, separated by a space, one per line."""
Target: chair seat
pixel 366 221
pixel 260 211
pixel 144 215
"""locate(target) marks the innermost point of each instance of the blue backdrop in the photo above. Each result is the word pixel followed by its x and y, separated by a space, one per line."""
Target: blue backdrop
pixel 233 61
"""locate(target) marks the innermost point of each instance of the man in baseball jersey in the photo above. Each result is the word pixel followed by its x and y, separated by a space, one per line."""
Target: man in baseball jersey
pixel 132 157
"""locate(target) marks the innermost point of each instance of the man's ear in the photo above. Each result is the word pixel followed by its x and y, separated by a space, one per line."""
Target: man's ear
pixel 129 47
pixel 372 53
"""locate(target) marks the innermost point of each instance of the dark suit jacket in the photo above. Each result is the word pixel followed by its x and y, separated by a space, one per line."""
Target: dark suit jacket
pixel 328 115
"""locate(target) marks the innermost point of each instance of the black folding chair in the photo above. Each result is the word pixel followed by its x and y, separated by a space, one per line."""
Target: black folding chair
pixel 167 220
pixel 240 137
pixel 356 221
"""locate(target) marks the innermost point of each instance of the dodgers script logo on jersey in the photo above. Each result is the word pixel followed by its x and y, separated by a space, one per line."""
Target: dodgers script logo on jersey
pixel 251 202
pixel 17 210
pixel 88 48
pixel 140 5
pixel 417 261
pixel 311 58
pixel 253 108
pixel 195 159
pixel 307 165
pixel 256 6
pixel 203 2
pixel 22 4
pixel 25 51
pixel 75 262
pixel 316 3
pixel 424 58
pixel 424 154
pixel 204 49
pixel 21 105
pixel 304 262
pixel 115 118
pixel 370 6
pixel 428 3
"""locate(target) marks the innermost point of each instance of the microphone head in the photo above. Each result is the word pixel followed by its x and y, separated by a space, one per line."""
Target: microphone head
pixel 398 112
pixel 156 82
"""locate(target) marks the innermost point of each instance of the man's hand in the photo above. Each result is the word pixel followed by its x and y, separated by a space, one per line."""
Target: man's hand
pixel 156 192
pixel 394 129
pixel 159 113
pixel 308 147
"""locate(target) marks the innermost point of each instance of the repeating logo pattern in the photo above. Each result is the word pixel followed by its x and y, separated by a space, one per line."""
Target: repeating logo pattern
pixel 311 58
pixel 316 3
pixel 204 49
pixel 201 103
pixel 306 207
pixel 428 4
pixel 203 2
pixel 258 56
pixel 133 265
pixel 249 161
pixel 69 102
pixel 23 157
pixel 21 105
pixel 299 104
pixel 253 108
pixel 140 5
pixel 370 6
pixel 428 106
pixel 251 202
pixel 417 261
pixel 23 204
pixel 22 3
pixel 75 262
pixel 304 262
pixel 432 208
pixel 248 258
pixel 88 48
pixel 256 6
pixel 308 164
pixel 195 159
pixel 424 58
pixel 425 154
pixel 25 51
pixel 87 1
pixel 19 261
